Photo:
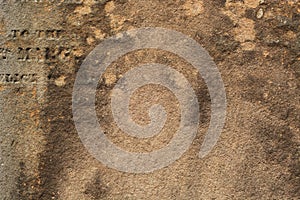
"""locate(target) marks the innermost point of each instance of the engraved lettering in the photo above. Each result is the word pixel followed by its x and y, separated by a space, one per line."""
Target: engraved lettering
pixel 20 33
pixel 38 54
pixel 41 34
pixel 4 53
pixel 17 78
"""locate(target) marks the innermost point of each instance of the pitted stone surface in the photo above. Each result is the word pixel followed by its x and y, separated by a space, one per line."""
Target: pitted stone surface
pixel 43 44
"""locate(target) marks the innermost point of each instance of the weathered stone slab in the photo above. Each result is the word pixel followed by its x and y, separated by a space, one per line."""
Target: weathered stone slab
pixel 255 46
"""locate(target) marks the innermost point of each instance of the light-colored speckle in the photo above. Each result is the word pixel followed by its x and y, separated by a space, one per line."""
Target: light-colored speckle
pixel 99 34
pixel 261 1
pixel 260 13
pixel 245 30
pixel 109 7
pixel 77 52
pixel 193 8
pixel 90 40
pixel 251 3
pixel 83 10
pixel 60 81
pixel 116 21
pixel 248 46
pixel 110 78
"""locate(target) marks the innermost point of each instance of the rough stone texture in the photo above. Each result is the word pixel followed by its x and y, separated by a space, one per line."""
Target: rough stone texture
pixel 255 45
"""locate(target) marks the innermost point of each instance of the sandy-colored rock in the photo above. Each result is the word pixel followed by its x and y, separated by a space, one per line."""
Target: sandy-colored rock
pixel 255 45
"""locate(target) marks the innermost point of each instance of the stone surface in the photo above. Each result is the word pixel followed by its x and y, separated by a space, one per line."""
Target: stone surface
pixel 43 44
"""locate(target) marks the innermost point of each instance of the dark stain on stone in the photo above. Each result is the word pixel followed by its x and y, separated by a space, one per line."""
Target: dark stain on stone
pixel 249 58
pixel 95 189
pixel 281 148
pixel 62 141
pixel 250 14
pixel 219 44
pixel 218 3
pixel 27 186
pixel 253 89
